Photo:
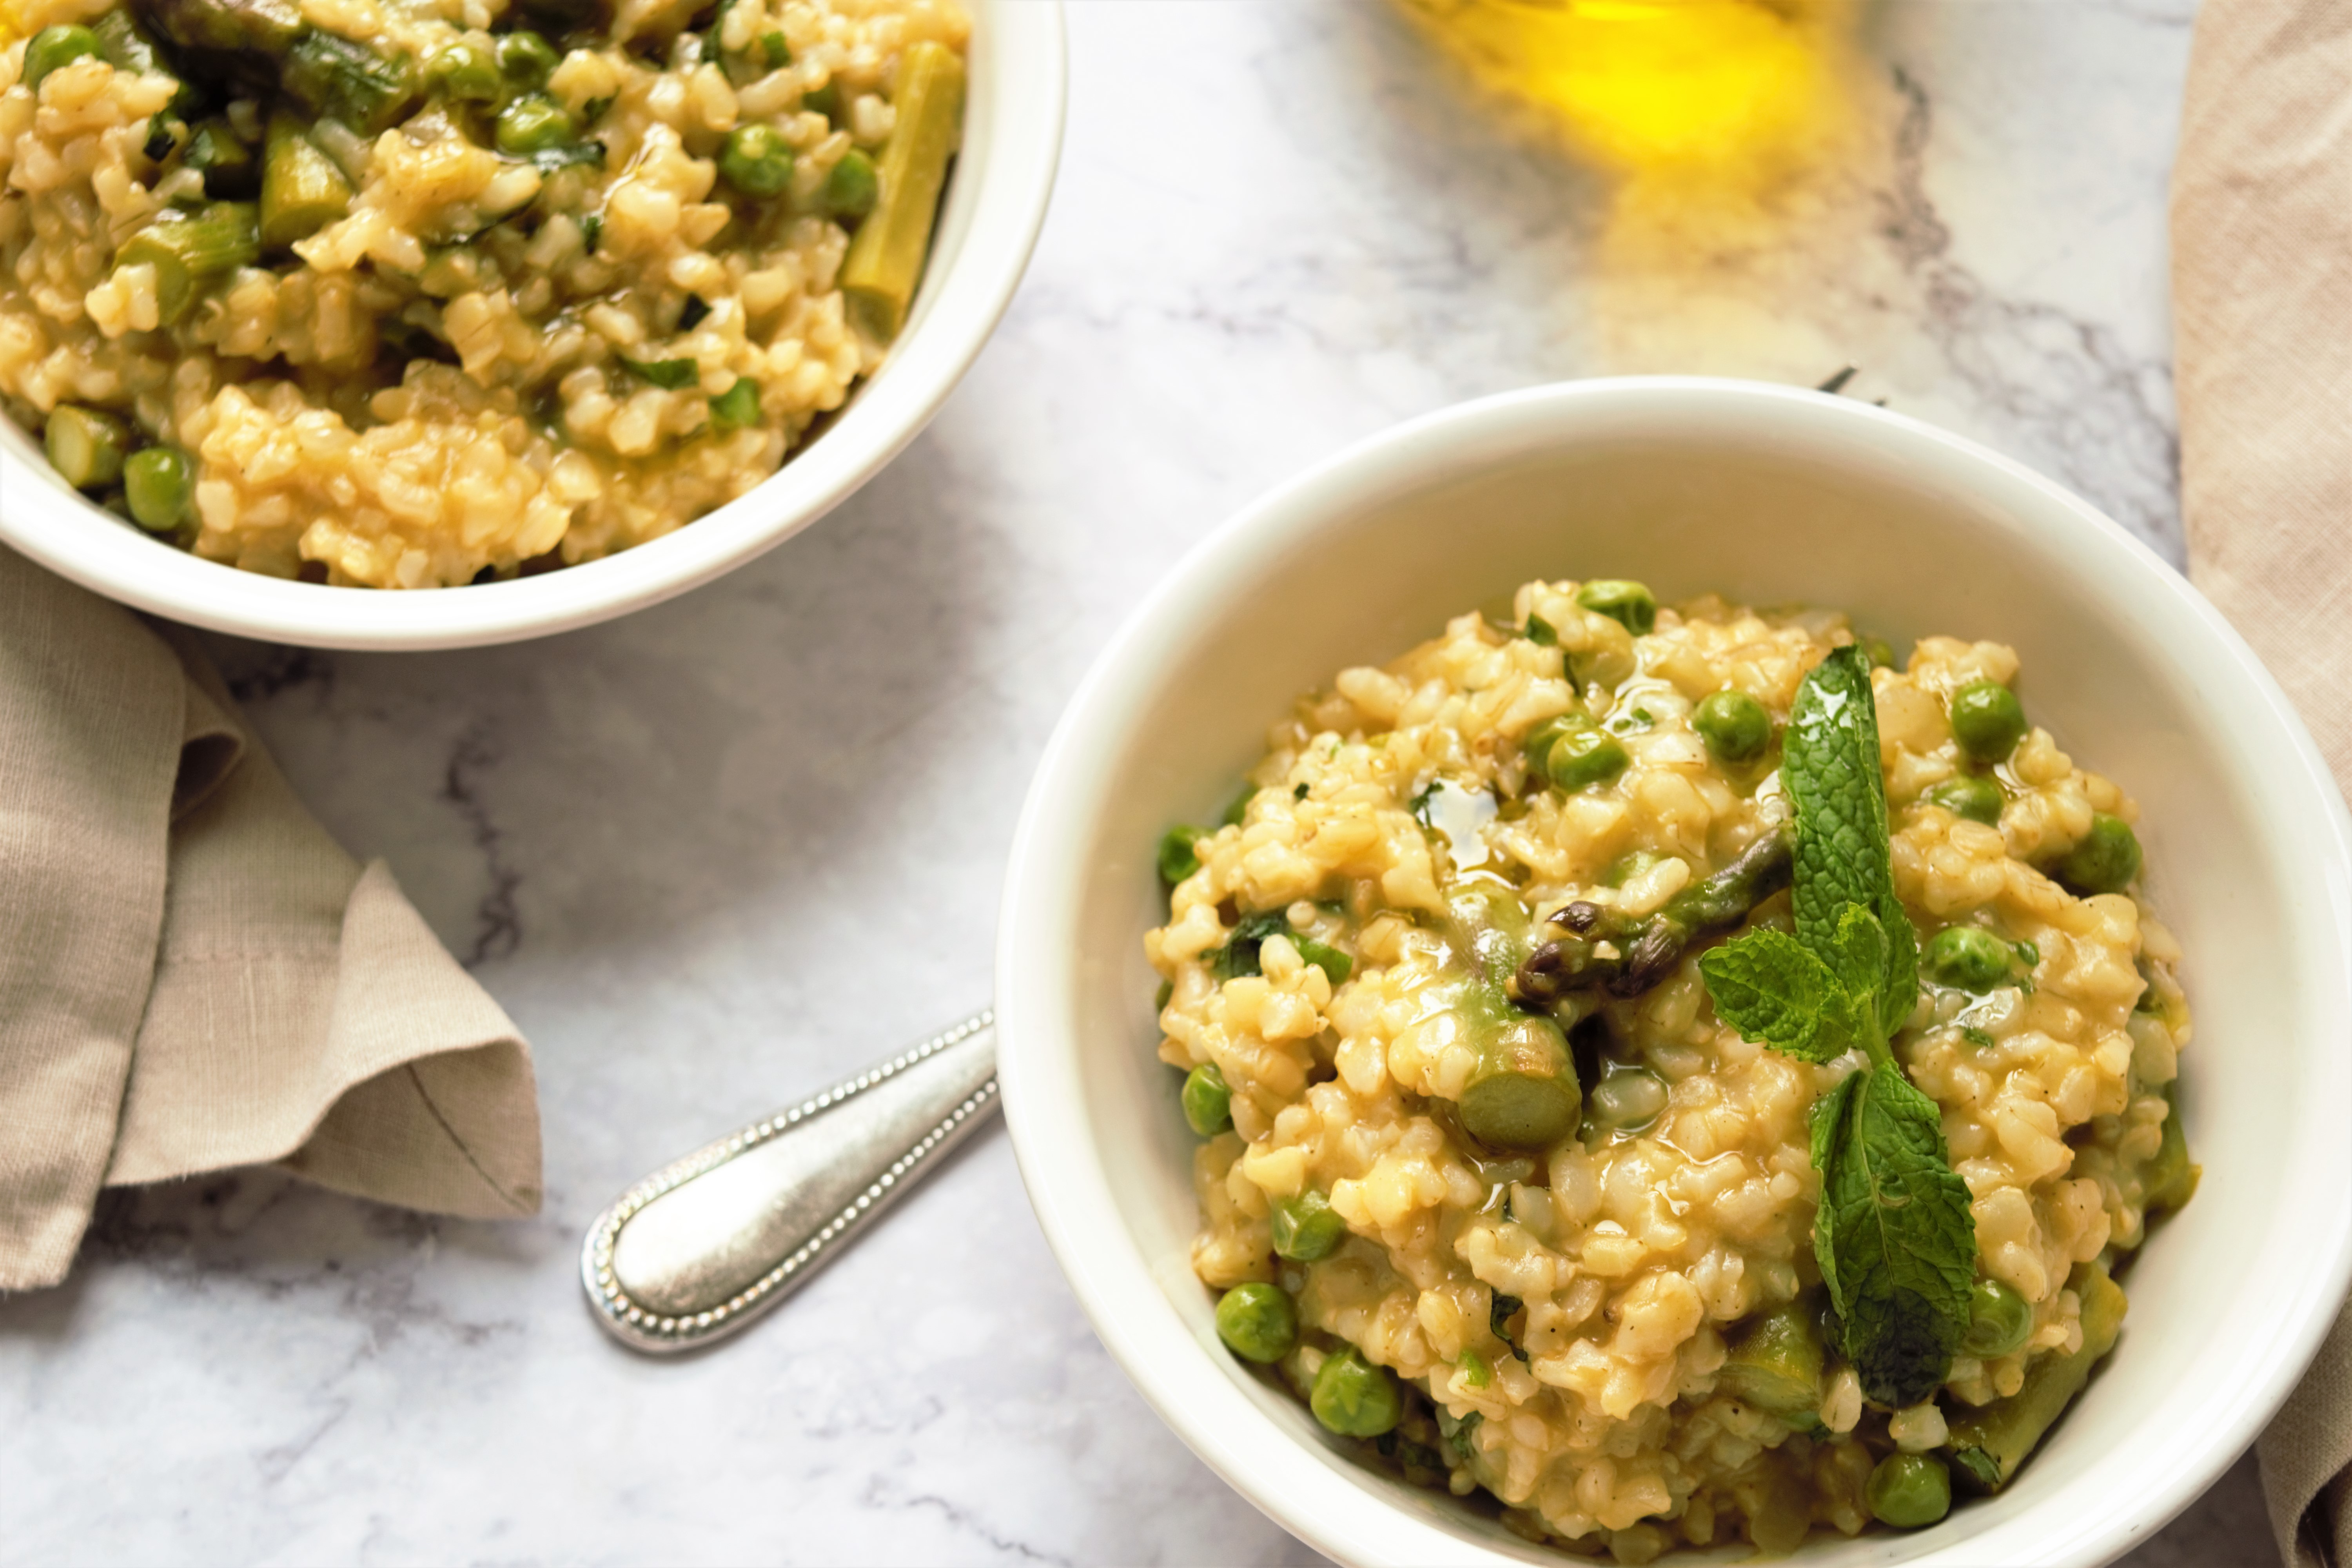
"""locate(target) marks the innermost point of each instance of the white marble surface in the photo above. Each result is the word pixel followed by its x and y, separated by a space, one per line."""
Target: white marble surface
pixel 730 849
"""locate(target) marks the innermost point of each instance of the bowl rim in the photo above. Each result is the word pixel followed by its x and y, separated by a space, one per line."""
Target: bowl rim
pixel 1020 97
pixel 1038 1052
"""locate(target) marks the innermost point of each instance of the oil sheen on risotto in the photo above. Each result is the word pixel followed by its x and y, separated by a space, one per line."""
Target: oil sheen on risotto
pixel 414 293
pixel 1604 1312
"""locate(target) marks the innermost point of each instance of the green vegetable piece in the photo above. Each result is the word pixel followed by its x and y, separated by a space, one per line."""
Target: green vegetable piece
pixel 1909 1491
pixel 261 31
pixel 824 100
pixel 1501 1309
pixel 1178 857
pixel 121 43
pixel 1335 965
pixel 1878 650
pixel 1523 1092
pixel 1989 1443
pixel 1582 758
pixel 160 486
pixel 1208 1103
pixel 534 125
pixel 231 172
pixel 1775 1365
pixel 53 49
pixel 669 374
pixel 737 408
pixel 1159 998
pixel 1457 1429
pixel 1476 1373
pixel 851 186
pixel 757 160
pixel 466 72
pixel 1642 952
pixel 1307 1229
pixel 527 59
pixel 1237 809
pixel 1542 632
pixel 1999 1321
pixel 1969 796
pixel 885 259
pixel 1968 957
pixel 1537 743
pixel 1830 767
pixel 1894 1236
pixel 1733 725
pixel 338 79
pixel 191 250
pixel 1987 719
pixel 301 190
pixel 1630 605
pixel 2106 860
pixel 1627 867
pixel 775 51
pixel 86 446
pixel 1353 1397
pixel 2171 1179
pixel 1257 1322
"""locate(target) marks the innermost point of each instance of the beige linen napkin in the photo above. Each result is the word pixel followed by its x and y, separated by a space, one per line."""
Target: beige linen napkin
pixel 193 974
pixel 2261 237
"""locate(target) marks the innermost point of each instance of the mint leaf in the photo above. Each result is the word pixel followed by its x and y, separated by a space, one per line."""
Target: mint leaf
pixel 1829 768
pixel 1893 1235
pixel 1858 952
pixel 1770 988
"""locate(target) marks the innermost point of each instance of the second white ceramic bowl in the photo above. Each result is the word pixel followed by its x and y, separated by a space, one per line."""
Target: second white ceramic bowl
pixel 995 204
pixel 1771 496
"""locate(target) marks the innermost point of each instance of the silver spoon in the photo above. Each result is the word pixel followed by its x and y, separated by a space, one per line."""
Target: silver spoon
pixel 708 1242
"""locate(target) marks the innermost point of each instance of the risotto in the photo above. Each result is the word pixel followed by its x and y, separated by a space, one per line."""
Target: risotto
pixel 1490 1177
pixel 411 293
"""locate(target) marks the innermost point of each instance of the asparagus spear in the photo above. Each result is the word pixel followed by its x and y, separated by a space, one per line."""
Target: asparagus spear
pixel 1776 1364
pixel 1645 950
pixel 2171 1179
pixel 266 27
pixel 885 259
pixel 302 189
pixel 337 79
pixel 1990 1443
pixel 189 252
pixel 1523 1092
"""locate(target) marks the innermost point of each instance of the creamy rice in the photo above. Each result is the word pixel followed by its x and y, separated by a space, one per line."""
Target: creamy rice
pixel 1681 1209
pixel 437 386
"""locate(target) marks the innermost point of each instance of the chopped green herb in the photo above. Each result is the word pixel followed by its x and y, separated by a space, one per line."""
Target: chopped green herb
pixel 592 229
pixel 777 51
pixel 1456 1429
pixel 1542 632
pixel 2028 954
pixel 1977 1037
pixel 1177 858
pixel 737 406
pixel 1335 965
pixel 1475 1370
pixel 692 314
pixel 1501 1311
pixel 594 109
pixel 1299 793
pixel 1419 803
pixel 1239 957
pixel 669 374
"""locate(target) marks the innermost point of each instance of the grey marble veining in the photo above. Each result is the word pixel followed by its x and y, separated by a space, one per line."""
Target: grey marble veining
pixel 725 851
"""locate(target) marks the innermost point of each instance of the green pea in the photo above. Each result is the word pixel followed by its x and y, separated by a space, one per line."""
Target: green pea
pixel 1537 743
pixel 2106 860
pixel 1179 857
pixel 1969 796
pixel 1353 1397
pixel 1208 1102
pixel 1988 720
pixel 851 186
pixel 1630 605
pixel 1909 1490
pixel 737 406
pixel 466 72
pixel 1998 1319
pixel 1733 725
pixel 1970 957
pixel 1257 1322
pixel 56 46
pixel 1583 757
pixel 527 59
pixel 1307 1229
pixel 534 125
pixel 1879 651
pixel 159 484
pixel 757 160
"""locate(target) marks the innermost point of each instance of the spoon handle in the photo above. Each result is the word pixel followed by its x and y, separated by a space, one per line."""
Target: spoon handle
pixel 708 1242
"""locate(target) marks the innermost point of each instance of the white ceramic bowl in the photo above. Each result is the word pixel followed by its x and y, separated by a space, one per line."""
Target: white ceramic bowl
pixel 995 204
pixel 1769 495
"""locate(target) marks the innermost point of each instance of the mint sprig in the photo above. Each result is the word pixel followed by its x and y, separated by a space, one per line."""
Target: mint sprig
pixel 1893 1235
